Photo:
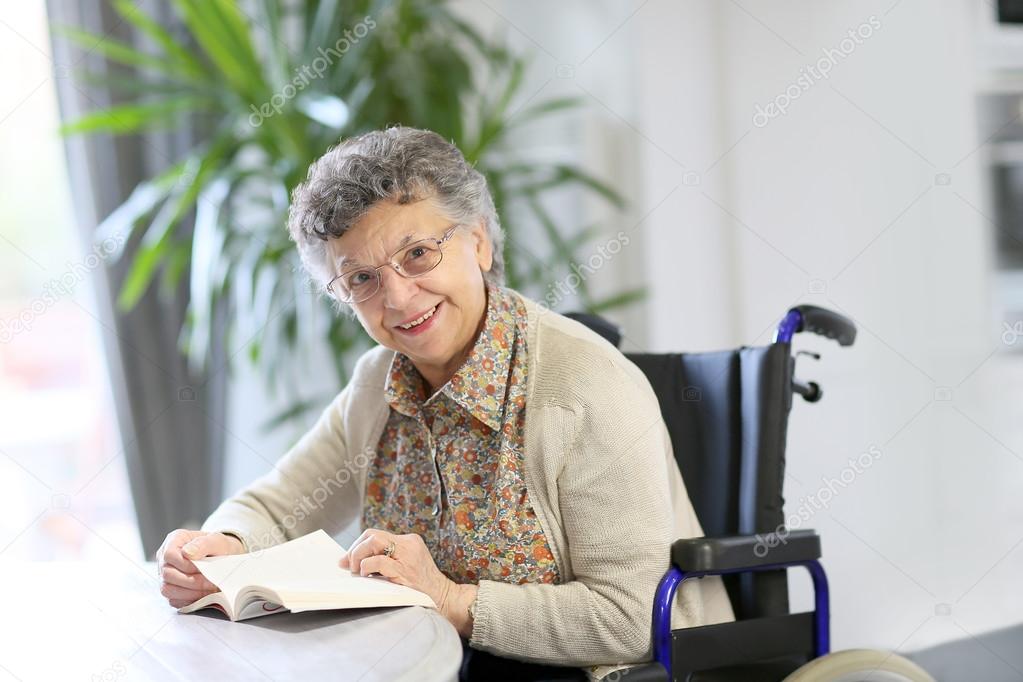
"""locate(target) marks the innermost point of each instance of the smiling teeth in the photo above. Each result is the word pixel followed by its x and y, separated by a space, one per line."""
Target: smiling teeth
pixel 424 318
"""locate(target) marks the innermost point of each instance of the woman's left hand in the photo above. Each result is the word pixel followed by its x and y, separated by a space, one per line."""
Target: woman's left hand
pixel 410 563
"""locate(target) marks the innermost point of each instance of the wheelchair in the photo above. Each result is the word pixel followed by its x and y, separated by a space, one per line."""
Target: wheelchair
pixel 727 415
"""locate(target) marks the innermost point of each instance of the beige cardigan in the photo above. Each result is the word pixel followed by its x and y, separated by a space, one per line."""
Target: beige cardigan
pixel 601 477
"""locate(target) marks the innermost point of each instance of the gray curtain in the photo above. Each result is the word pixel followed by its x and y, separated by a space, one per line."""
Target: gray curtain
pixel 171 422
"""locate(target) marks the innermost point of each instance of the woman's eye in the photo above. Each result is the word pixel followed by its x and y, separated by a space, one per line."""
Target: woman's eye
pixel 414 253
pixel 358 278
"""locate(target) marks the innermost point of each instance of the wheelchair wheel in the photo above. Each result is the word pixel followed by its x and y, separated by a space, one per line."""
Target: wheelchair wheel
pixel 859 665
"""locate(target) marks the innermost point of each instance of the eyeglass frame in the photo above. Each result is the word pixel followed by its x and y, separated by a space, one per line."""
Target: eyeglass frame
pixel 446 236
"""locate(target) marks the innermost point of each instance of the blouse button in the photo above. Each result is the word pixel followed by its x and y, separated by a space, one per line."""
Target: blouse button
pixel 435 509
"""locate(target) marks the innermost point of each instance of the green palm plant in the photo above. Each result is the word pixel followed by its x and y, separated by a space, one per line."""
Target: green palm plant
pixel 269 86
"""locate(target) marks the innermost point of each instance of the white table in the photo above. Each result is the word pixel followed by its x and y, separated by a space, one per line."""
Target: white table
pixel 84 621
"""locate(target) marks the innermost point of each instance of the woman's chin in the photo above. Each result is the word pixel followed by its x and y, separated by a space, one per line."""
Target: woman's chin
pixel 427 348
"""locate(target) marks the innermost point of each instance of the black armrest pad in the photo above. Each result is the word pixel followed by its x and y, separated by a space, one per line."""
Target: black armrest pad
pixel 745 551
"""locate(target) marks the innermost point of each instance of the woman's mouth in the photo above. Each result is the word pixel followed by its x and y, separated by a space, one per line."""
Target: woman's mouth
pixel 421 324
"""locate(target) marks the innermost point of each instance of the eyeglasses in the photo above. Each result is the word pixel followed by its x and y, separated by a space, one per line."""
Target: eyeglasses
pixel 412 260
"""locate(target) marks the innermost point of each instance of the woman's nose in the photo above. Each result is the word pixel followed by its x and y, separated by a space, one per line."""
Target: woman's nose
pixel 396 289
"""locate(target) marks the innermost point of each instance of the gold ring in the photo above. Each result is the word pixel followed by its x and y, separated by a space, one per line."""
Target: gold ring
pixel 389 550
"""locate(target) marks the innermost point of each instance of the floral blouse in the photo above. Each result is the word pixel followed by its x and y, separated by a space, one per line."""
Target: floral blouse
pixel 450 467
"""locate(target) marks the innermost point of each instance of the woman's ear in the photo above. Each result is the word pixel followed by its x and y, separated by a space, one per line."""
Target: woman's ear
pixel 484 249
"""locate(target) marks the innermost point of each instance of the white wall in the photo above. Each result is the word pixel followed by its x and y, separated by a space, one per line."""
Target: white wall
pixel 864 197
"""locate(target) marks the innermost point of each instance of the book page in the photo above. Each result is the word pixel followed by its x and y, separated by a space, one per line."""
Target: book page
pixel 251 606
pixel 305 574
pixel 217 600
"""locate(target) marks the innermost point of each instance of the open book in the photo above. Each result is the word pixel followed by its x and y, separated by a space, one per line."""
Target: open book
pixel 300 575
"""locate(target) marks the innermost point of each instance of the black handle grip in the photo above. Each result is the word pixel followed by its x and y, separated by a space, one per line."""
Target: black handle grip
pixel 827 323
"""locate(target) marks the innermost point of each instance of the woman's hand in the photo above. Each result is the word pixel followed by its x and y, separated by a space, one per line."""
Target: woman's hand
pixel 180 580
pixel 410 564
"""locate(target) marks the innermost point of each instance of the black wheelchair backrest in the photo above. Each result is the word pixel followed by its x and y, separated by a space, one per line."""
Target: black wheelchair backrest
pixel 727 414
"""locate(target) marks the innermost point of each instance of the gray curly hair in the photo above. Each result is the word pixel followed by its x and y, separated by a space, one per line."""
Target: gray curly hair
pixel 399 164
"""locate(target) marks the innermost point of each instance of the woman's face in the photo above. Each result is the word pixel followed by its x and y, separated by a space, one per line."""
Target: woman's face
pixel 454 290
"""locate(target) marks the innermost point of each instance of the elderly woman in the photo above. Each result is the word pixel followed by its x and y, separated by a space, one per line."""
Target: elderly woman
pixel 505 460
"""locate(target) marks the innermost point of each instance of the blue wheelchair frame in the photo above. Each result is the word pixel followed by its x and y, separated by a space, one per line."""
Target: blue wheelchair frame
pixel 665 598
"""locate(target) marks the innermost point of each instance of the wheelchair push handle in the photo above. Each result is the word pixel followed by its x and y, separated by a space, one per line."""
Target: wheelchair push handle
pixel 821 321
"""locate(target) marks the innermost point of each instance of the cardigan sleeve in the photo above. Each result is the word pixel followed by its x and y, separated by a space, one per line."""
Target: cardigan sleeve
pixel 615 508
pixel 312 486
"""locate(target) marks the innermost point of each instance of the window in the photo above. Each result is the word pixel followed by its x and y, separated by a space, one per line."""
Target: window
pixel 63 485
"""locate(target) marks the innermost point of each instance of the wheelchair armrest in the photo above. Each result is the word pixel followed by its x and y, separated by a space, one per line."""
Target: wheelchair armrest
pixel 733 553
pixel 648 672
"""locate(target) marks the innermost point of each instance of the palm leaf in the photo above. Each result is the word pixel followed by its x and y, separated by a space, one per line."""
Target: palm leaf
pixel 544 108
pixel 230 55
pixel 618 300
pixel 421 64
pixel 156 243
pixel 121 223
pixel 130 118
pixel 172 49
pixel 118 51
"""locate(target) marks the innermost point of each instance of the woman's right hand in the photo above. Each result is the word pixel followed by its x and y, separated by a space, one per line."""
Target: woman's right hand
pixel 180 580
